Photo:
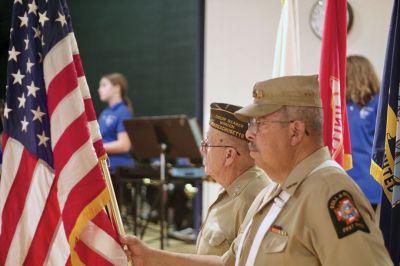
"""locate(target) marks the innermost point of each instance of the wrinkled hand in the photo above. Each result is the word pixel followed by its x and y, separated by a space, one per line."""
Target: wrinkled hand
pixel 137 251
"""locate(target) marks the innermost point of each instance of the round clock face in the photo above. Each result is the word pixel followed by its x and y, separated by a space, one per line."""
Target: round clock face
pixel 317 15
pixel 317 18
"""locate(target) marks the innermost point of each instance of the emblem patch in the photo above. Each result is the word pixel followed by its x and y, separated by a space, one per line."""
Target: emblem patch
pixel 344 214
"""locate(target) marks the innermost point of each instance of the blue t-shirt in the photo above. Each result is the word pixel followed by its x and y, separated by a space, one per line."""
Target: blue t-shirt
pixel 111 123
pixel 362 129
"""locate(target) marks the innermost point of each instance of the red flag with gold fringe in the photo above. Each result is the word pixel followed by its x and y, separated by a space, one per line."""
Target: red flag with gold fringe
pixel 332 80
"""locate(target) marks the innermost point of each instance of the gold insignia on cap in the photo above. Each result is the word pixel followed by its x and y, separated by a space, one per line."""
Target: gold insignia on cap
pixel 258 94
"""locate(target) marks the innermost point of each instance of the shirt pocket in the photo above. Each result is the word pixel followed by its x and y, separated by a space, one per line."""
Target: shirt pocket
pixel 214 237
pixel 274 243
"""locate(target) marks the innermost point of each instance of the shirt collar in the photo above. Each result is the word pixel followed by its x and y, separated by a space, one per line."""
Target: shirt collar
pixel 116 105
pixel 301 170
pixel 242 181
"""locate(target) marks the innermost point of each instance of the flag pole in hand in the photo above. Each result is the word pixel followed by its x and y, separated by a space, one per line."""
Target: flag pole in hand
pixel 113 209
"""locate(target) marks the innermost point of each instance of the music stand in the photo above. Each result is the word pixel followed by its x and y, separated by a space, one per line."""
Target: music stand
pixel 166 137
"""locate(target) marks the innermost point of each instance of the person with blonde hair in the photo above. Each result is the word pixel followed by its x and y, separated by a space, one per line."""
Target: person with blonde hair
pixel 362 90
pixel 113 90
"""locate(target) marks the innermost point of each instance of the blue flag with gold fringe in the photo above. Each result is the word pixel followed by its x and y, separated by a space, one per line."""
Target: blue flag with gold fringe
pixel 385 164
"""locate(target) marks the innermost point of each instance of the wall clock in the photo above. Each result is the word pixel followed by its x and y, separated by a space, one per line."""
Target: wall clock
pixel 317 18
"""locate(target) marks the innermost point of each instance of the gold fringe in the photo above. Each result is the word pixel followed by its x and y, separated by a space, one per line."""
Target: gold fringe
pixel 347 161
pixel 114 210
pixel 88 213
pixel 376 171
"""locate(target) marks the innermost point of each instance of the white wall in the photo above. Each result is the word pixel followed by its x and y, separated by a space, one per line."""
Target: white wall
pixel 240 40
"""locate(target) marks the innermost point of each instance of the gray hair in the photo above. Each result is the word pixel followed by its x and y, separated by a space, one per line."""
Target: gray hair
pixel 240 144
pixel 312 117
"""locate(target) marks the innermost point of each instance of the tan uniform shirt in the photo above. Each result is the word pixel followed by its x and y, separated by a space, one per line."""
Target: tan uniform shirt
pixel 226 214
pixel 327 221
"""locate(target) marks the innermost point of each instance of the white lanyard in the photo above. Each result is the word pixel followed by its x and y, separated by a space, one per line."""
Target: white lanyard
pixel 240 247
pixel 279 203
pixel 327 163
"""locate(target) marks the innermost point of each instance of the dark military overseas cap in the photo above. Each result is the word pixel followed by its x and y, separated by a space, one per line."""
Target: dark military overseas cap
pixel 270 95
pixel 223 119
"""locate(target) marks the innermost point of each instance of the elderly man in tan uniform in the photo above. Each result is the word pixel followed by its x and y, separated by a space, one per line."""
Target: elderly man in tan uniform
pixel 227 160
pixel 316 214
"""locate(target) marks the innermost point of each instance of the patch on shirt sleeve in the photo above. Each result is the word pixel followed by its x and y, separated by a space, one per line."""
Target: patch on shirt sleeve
pixel 345 216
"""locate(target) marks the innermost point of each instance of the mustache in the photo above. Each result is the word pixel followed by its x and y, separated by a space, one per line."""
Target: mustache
pixel 252 146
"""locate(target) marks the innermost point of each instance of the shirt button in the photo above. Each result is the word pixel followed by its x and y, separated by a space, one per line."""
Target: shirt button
pixel 236 191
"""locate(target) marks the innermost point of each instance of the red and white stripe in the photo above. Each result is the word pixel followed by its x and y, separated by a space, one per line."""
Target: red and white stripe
pixel 39 206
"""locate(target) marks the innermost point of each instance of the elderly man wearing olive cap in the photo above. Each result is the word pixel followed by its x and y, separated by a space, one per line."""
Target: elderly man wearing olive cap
pixel 316 214
pixel 228 162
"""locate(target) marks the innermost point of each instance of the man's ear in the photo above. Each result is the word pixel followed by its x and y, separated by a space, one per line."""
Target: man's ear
pixel 297 131
pixel 230 155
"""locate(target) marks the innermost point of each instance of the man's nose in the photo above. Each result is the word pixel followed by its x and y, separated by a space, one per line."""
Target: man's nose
pixel 250 134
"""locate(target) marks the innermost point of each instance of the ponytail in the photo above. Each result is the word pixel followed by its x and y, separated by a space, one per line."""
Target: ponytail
pixel 127 102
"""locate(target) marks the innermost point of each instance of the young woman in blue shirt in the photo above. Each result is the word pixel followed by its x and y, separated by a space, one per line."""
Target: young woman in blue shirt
pixel 113 90
pixel 362 94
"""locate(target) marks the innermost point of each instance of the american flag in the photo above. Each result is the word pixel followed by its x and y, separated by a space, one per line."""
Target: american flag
pixel 52 193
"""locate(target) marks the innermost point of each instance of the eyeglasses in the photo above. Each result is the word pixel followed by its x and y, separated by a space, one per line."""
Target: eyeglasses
pixel 254 123
pixel 205 145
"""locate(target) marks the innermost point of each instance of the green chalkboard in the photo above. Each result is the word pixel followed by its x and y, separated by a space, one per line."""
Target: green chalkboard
pixel 153 43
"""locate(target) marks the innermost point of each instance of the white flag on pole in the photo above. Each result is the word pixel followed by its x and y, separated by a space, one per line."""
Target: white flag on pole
pixel 287 47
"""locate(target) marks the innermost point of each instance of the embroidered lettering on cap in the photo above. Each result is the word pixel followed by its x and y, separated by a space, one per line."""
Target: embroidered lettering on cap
pixel 223 119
